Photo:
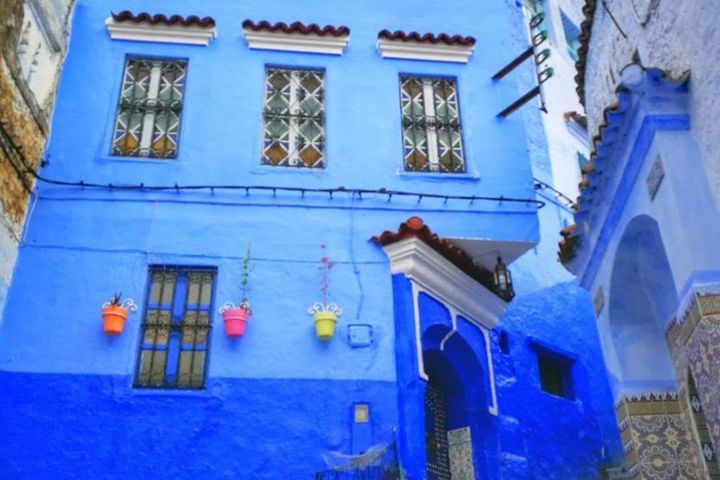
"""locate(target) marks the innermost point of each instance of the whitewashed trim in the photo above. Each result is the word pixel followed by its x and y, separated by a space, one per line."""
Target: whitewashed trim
pixel 418 339
pixel 444 281
pixel 296 42
pixel 436 52
pixel 145 32
pixel 493 409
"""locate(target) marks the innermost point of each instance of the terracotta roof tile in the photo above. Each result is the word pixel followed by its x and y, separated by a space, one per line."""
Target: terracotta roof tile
pixel 415 227
pixel 585 32
pixel 567 245
pixel 427 37
pixel 144 17
pixel 297 27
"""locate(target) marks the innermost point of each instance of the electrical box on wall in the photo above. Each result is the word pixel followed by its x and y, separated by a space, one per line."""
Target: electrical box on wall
pixel 360 335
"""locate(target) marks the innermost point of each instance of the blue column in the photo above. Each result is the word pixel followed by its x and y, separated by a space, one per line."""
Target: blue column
pixel 411 388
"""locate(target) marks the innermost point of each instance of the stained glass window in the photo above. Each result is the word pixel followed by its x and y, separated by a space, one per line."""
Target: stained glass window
pixel 294 119
pixel 175 332
pixel 150 107
pixel 432 138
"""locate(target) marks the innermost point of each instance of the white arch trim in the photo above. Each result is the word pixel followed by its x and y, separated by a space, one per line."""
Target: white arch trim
pixel 431 273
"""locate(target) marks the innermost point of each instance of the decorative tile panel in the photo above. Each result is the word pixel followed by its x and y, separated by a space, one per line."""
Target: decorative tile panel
pixel 656 438
pixel 695 348
pixel 655 177
pixel 599 301
pixel 461 454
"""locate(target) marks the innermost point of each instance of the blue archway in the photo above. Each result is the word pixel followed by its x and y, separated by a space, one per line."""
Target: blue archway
pixel 453 361
pixel 643 300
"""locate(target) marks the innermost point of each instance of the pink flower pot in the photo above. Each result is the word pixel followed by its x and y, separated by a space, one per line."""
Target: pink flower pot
pixel 235 320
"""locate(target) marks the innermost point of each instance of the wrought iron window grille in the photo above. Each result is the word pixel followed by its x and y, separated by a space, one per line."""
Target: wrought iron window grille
pixel 149 110
pixel 26 173
pixel 294 118
pixel 432 131
pixel 176 328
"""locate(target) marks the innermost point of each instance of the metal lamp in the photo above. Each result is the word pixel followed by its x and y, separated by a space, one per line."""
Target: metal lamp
pixel 502 278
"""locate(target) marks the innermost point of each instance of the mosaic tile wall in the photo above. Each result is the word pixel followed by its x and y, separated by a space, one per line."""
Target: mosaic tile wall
pixel 695 349
pixel 461 455
pixel 656 438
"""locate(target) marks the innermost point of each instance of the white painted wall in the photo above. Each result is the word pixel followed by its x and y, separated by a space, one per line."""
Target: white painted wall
pixel 560 97
pixel 9 239
pixel 41 46
pixel 674 35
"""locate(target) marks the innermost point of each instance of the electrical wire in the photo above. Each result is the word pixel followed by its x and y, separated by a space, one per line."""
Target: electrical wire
pixel 247 188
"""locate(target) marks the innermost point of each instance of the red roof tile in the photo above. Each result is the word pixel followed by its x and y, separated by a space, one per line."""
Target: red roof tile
pixel 427 37
pixel 415 227
pixel 144 17
pixel 568 245
pixel 297 27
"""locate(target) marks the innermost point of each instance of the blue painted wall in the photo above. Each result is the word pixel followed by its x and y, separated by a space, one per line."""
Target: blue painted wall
pixel 277 400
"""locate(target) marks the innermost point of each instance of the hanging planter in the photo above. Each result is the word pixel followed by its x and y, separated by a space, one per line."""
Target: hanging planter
pixel 235 318
pixel 325 319
pixel 324 313
pixel 114 314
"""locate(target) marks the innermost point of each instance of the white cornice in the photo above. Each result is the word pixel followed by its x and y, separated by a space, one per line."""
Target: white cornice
pixel 439 277
pixel 296 42
pixel 146 32
pixel 436 52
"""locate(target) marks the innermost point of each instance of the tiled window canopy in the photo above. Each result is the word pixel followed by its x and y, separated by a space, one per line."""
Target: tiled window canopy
pixel 427 46
pixel 144 27
pixel 296 37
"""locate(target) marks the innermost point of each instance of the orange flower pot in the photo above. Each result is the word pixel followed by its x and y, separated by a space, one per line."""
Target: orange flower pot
pixel 114 319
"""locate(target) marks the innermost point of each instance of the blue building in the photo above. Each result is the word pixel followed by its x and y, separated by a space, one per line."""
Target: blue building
pixel 342 138
pixel 645 236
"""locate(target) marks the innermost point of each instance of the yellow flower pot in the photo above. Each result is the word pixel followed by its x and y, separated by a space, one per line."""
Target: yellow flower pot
pixel 325 325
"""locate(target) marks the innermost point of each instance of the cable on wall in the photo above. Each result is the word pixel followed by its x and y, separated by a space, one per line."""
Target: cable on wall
pixel 22 167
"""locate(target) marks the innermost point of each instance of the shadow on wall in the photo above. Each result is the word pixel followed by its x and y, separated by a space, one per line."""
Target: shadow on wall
pixel 642 301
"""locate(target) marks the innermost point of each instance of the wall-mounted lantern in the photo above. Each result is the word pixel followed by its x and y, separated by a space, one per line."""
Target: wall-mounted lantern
pixel 114 314
pixel 502 278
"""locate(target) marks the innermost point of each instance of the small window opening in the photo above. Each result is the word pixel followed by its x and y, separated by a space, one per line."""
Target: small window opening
pixel 555 372
pixel 504 342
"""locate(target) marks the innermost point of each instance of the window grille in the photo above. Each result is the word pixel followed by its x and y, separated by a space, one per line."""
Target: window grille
pixel 175 332
pixel 293 117
pixel 150 107
pixel 432 138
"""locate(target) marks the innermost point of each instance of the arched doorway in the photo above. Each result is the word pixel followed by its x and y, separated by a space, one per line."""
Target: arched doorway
pixel 459 439
pixel 643 299
pixel 442 390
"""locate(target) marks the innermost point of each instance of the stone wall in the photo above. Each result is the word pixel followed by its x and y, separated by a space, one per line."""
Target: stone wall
pixel 677 36
pixel 25 120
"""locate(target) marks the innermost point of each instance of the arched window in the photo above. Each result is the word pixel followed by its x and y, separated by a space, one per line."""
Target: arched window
pixel 702 434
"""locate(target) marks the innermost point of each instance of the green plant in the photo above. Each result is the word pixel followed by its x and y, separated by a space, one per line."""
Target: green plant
pixel 325 266
pixel 246 269
pixel 116 300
